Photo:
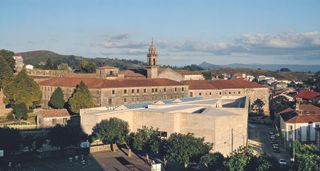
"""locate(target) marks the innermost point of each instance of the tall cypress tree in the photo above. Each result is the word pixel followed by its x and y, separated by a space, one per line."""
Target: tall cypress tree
pixel 80 99
pixel 23 89
pixel 6 73
pixel 56 99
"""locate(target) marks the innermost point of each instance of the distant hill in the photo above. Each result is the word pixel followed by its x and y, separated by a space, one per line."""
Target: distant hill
pixel 271 67
pixel 35 57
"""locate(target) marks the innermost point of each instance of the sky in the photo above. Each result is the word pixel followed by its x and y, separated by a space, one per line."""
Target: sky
pixel 184 31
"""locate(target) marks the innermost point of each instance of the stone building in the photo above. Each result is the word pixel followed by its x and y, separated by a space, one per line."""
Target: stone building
pixel 52 117
pixel 221 121
pixel 117 92
pixel 229 88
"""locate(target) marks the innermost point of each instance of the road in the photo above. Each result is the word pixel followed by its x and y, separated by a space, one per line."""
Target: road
pixel 260 141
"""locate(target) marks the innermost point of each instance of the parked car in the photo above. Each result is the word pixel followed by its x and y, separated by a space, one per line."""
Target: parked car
pixel 276 150
pixel 271 133
pixel 283 162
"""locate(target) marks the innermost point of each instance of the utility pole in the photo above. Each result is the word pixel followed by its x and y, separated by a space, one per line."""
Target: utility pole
pixel 231 140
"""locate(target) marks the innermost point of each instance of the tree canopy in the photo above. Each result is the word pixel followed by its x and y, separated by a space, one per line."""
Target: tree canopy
pixel 146 140
pixel 184 149
pixel 63 136
pixel 307 157
pixel 213 161
pixel 20 111
pixel 80 99
pixel 8 56
pixel 6 73
pixel 87 66
pixel 112 131
pixel 23 89
pixel 56 99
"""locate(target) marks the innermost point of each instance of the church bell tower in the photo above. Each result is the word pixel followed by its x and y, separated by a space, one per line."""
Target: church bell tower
pixel 152 60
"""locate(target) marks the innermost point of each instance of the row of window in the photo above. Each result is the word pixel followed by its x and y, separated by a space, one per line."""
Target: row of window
pixel 217 93
pixel 153 90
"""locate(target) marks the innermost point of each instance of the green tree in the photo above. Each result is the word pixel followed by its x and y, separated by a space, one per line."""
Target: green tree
pixel 81 98
pixel 6 73
pixel 20 111
pixel 183 149
pixel 56 99
pixel 111 131
pixel 64 136
pixel 10 139
pixel 239 159
pixel 213 161
pixel 23 89
pixel 87 66
pixel 307 157
pixel 146 140
pixel 8 56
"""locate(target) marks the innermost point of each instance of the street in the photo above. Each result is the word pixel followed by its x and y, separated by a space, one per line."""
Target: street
pixel 259 140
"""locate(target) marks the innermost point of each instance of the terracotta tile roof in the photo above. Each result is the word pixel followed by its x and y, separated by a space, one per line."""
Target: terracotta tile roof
pixel 305 114
pixel 221 84
pixel 199 84
pixel 131 74
pixel 307 94
pixel 100 83
pixel 49 113
pixel 107 67
pixel 187 72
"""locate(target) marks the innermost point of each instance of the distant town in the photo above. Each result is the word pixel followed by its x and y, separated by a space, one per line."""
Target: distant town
pixel 74 113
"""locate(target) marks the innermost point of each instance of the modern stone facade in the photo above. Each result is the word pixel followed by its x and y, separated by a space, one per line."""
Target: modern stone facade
pixel 222 121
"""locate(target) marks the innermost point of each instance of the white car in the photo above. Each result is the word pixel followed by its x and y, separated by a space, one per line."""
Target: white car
pixel 283 162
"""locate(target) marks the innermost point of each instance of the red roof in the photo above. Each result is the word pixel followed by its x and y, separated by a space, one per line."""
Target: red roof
pixel 221 84
pixel 100 83
pixel 307 94
pixel 305 114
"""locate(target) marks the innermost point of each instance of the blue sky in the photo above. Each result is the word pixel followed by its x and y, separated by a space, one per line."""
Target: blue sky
pixel 185 31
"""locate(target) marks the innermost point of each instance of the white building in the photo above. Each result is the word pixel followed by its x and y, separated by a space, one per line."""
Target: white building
pixel 300 124
pixel 30 67
pixel 222 121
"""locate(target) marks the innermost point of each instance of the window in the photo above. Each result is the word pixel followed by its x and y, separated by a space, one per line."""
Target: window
pixel 210 93
pixel 125 91
pixel 191 94
pixel 156 90
pixel 110 101
pixel 199 94
pixel 164 90
pixel 54 121
pixel 132 91
pixel 182 88
pixel 219 93
pixel 144 90
pixel 175 89
pixel 125 100
pixel 229 92
pixel 113 92
pixel 238 92
pixel 137 90
pixel 163 134
pixel 64 120
pixel 152 90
